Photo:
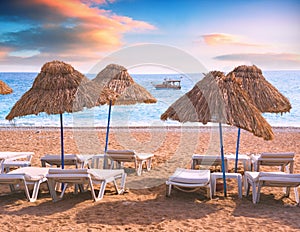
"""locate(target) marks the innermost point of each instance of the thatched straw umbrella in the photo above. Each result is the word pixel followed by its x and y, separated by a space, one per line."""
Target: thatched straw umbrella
pixel 262 93
pixel 116 78
pixel 217 98
pixel 57 89
pixel 4 88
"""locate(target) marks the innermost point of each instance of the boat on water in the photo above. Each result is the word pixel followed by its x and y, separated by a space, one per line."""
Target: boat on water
pixel 169 84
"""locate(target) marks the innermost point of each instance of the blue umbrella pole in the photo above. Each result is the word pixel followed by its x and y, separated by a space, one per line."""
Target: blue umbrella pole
pixel 62 142
pixel 223 161
pixel 237 150
pixel 107 135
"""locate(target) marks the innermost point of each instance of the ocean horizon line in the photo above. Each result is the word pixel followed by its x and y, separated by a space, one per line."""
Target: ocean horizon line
pixel 175 73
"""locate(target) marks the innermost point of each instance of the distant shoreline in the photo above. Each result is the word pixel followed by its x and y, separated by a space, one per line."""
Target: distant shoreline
pixel 144 128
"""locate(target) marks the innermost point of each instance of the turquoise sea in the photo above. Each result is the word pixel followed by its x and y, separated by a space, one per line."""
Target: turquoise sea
pixel 287 82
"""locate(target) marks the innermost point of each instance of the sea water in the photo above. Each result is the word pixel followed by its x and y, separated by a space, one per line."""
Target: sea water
pixel 146 115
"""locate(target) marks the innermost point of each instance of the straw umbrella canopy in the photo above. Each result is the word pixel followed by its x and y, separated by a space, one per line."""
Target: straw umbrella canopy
pixel 4 88
pixel 57 89
pixel 262 93
pixel 219 98
pixel 115 77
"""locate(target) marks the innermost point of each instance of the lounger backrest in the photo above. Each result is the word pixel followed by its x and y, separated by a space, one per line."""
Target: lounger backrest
pixel 69 159
pixel 209 160
pixel 121 155
pixel 277 159
pixel 279 156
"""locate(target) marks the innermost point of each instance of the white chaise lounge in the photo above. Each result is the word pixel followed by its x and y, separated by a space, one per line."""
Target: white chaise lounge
pixel 271 179
pixel 285 160
pixel 189 180
pixel 86 176
pixel 25 176
pixel 121 156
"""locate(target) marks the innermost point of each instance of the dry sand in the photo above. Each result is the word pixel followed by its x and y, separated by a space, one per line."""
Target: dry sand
pixel 144 206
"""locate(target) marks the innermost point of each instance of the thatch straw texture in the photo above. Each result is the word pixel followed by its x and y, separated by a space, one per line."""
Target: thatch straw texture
pixel 130 92
pixel 217 98
pixel 4 88
pixel 59 88
pixel 262 93
pixel 115 77
pixel 106 74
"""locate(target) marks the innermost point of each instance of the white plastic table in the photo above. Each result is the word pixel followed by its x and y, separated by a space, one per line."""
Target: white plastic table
pixel 219 175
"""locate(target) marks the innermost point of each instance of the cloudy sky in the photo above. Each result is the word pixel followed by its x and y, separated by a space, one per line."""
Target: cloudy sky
pixel 220 34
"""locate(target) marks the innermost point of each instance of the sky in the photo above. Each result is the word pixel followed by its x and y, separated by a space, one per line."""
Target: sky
pixel 218 34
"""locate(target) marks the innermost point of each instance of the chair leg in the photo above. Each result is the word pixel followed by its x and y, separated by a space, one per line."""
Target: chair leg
pixel 168 189
pixel 101 191
pixel 209 191
pixel 240 187
pixel 254 192
pixel 246 186
pixel 63 191
pixel 26 191
pixel 258 193
pixel 139 168
pixel 93 191
pixel 51 186
pixel 121 189
pixel 213 185
pixel 149 164
pixel 35 191
pixel 297 195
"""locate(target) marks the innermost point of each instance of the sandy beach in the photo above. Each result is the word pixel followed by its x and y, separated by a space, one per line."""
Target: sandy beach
pixel 144 206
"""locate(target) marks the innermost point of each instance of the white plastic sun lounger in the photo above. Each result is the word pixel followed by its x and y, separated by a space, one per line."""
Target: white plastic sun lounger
pixel 26 176
pixel 79 161
pixel 208 160
pixel 21 161
pixel 271 179
pixel 15 159
pixel 121 156
pixel 189 180
pixel 281 159
pixel 85 176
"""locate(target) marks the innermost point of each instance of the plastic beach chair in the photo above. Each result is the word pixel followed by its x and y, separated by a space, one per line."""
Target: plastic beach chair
pixel 121 156
pixel 189 180
pixel 25 176
pixel 282 159
pixel 271 179
pixel 85 176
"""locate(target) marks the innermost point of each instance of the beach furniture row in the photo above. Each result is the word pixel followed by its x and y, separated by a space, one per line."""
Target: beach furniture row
pixel 196 177
pixel 183 179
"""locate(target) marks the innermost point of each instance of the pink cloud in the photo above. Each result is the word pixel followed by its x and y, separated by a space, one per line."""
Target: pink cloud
pixel 4 51
pixel 226 39
pixel 89 15
pixel 72 30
